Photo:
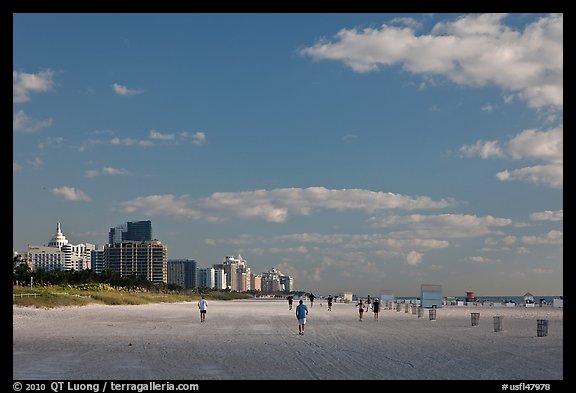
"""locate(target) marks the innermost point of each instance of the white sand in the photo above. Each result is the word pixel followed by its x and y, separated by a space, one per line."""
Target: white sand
pixel 258 339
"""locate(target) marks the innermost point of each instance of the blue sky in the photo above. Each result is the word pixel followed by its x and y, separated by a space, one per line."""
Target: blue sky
pixel 354 152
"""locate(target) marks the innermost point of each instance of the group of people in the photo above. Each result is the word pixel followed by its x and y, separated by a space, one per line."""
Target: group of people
pixel 302 309
pixel 375 306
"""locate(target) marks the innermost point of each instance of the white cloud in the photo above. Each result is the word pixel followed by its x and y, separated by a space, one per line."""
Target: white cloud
pixel 288 250
pixel 522 250
pixel 155 138
pixel 105 171
pixel 164 205
pixel 548 215
pixel 552 175
pixel 21 122
pixel 474 50
pixel 480 259
pixel 199 138
pixel 487 108
pixel 552 237
pixel 366 241
pixel 546 146
pixel 125 91
pixel 510 239
pixel 70 194
pixel 130 142
pixel 35 163
pixel 113 171
pixel 23 84
pixel 49 142
pixel 540 145
pixel 91 173
pixel 509 98
pixel 440 226
pixel 414 258
pixel 163 137
pixel 484 149
pixel 406 21
pixel 278 204
pixel 16 167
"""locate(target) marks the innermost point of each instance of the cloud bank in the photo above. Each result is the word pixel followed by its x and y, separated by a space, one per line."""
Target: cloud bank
pixel 473 50
pixel 278 204
pixel 544 147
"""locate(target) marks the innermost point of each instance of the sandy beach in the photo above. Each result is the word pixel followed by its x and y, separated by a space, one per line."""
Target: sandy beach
pixel 258 339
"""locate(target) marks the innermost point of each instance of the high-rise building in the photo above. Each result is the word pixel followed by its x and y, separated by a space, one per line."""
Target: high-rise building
pixel 237 273
pixel 117 234
pixel 182 272
pixel 219 279
pixel 59 254
pixel 138 231
pixel 206 277
pixel 46 258
pixel 145 259
pixel 98 259
pixel 256 282
pixel 274 281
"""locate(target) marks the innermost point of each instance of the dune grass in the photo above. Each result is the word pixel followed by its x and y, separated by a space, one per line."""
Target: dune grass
pixel 81 295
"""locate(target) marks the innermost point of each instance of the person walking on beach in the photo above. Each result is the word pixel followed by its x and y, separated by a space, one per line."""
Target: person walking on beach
pixel 311 297
pixel 360 306
pixel 301 313
pixel 203 306
pixel 329 299
pixel 376 308
pixel 290 300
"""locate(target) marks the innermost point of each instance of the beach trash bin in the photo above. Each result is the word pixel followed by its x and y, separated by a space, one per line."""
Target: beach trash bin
pixel 414 309
pixel 475 318
pixel 406 308
pixel 542 327
pixel 498 323
pixel 432 314
pixel 420 312
pixel 398 307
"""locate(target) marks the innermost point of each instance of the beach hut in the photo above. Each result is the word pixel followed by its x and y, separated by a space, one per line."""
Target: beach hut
pixel 431 296
pixel 347 297
pixel 528 300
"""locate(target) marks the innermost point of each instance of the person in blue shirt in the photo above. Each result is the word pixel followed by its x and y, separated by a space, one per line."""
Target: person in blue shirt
pixel 301 313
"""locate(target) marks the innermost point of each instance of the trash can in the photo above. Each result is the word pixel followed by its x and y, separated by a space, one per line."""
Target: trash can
pixel 414 309
pixel 542 327
pixel 475 318
pixel 498 323
pixel 398 307
pixel 406 308
pixel 420 312
pixel 432 314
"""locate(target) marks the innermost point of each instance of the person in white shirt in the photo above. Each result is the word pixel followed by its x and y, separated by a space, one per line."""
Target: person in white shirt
pixel 203 306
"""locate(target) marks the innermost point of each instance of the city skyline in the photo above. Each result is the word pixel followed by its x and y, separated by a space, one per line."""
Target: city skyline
pixel 354 152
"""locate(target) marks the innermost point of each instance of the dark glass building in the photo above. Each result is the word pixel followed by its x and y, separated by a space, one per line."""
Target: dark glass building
pixel 182 272
pixel 137 231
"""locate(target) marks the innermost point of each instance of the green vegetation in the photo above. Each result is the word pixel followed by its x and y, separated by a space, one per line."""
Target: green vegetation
pixel 51 296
